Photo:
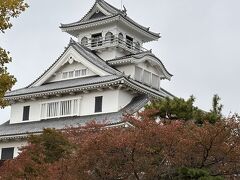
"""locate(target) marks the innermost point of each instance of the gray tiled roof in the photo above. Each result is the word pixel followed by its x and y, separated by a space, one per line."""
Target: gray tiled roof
pixel 67 84
pixel 7 129
pixel 114 11
pixel 127 59
pixel 93 58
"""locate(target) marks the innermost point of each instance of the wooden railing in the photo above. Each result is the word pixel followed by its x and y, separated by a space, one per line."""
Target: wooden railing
pixel 102 42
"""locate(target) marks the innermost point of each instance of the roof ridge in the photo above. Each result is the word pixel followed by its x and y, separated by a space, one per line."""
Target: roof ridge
pixel 111 6
pixel 69 44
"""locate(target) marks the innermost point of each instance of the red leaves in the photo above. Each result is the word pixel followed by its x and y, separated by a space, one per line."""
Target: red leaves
pixel 148 150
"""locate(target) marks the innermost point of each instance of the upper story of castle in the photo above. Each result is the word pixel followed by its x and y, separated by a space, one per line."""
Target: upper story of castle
pixel 110 32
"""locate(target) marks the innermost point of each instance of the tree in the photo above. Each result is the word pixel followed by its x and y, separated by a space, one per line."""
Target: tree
pixel 8 9
pixel 148 150
pixel 37 158
pixel 179 108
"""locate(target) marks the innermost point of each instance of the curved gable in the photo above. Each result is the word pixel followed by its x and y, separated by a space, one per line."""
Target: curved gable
pixel 154 62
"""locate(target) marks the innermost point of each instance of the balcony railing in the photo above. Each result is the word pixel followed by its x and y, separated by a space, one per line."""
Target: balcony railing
pixel 111 41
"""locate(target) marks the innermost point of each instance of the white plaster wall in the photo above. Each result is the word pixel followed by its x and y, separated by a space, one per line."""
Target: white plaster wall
pixel 70 67
pixel 100 29
pixel 35 109
pixel 17 111
pixel 111 53
pixel 127 69
pixel 110 102
pixel 115 29
pixel 135 35
pixel 16 145
pixel 124 98
pixel 113 101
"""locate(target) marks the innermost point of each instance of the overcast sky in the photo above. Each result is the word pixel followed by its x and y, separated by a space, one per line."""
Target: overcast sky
pixel 199 45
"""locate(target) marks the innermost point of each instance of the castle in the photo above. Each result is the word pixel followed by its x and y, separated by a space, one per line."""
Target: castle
pixel 102 74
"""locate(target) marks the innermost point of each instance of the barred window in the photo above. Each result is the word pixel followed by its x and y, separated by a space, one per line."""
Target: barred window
pixel 155 81
pixel 147 77
pixel 65 75
pixel 74 74
pixel 65 108
pixel 78 73
pixel 52 109
pixel 60 109
pixel 138 73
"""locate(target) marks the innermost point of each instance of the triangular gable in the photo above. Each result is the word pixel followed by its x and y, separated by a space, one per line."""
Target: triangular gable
pixel 97 15
pixel 70 70
pixel 97 11
pixel 70 55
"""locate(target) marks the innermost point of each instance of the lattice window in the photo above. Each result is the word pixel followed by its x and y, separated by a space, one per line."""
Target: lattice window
pixel 138 73
pixel 74 74
pixel 65 108
pixel 155 81
pixel 147 77
pixel 84 72
pixel 60 109
pixel 70 74
pixel 52 109
pixel 65 75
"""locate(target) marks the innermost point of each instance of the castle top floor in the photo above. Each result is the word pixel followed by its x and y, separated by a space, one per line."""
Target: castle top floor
pixel 105 26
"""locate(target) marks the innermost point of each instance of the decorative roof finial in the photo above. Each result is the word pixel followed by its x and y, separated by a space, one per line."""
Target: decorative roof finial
pixel 124 10
pixel 71 41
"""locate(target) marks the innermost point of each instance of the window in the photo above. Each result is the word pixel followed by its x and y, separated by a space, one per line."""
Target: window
pixel 26 110
pixel 109 37
pixel 97 40
pixel 129 42
pixel 138 73
pixel 66 108
pixel 84 41
pixel 146 77
pixel 7 153
pixel 65 75
pixel 155 81
pixel 120 38
pixel 52 109
pixel 84 72
pixel 98 104
pixel 78 73
pixel 137 46
pixel 74 74
pixel 70 75
pixel 60 109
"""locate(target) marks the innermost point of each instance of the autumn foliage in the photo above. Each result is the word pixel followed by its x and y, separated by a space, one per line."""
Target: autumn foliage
pixel 147 150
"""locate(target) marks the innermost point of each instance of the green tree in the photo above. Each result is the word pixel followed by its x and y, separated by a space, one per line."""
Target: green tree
pixel 216 111
pixel 181 109
pixel 8 9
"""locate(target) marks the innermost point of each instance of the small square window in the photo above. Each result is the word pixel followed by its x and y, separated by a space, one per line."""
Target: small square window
pixel 7 153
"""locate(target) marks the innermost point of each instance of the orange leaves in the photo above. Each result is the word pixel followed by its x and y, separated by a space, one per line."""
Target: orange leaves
pixel 149 150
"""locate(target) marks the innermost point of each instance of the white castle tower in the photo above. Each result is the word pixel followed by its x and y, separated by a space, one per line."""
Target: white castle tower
pixel 105 73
